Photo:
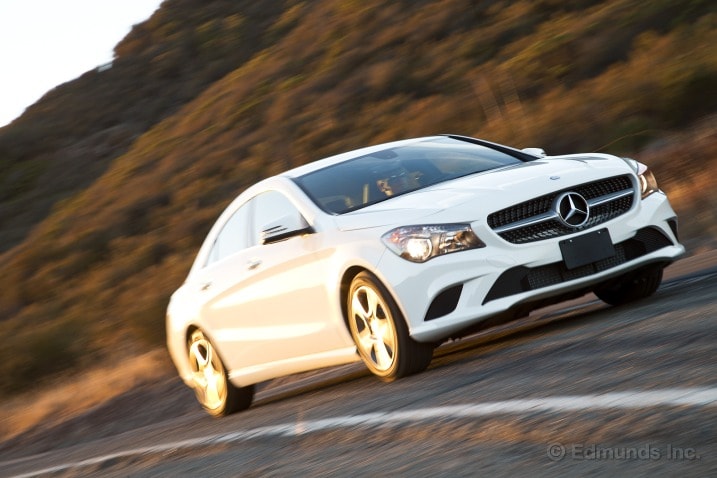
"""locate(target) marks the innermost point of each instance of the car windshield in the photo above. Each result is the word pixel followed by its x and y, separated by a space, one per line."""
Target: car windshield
pixel 376 177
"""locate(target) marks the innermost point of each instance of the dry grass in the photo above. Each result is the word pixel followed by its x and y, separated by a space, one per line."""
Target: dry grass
pixel 67 398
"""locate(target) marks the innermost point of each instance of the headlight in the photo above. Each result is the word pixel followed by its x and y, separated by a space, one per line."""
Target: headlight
pixel 421 243
pixel 648 183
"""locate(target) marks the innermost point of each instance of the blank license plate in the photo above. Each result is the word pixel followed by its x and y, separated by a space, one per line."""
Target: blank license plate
pixel 586 249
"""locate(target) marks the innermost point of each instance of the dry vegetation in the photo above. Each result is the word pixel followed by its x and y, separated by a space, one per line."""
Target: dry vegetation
pixel 109 183
pixel 69 396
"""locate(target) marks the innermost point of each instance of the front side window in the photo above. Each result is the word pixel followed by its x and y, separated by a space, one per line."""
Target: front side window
pixel 233 237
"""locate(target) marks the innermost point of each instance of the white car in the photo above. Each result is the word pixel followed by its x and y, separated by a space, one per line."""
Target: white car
pixel 381 254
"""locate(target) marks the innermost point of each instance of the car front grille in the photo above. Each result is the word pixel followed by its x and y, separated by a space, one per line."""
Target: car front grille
pixel 537 219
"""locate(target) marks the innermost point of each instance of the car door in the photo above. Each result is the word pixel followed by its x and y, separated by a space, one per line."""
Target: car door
pixel 269 302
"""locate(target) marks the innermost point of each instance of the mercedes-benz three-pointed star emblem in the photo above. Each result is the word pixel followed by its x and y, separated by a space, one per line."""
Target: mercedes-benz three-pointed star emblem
pixel 572 209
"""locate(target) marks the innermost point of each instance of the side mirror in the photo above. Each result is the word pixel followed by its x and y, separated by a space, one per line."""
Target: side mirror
pixel 539 152
pixel 285 227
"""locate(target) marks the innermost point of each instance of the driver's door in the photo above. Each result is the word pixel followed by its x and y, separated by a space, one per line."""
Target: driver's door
pixel 269 302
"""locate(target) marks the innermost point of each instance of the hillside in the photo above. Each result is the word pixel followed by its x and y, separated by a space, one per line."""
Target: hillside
pixel 109 183
pixel 68 139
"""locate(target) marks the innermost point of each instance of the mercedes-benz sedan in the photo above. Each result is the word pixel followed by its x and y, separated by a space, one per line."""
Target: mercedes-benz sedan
pixel 381 254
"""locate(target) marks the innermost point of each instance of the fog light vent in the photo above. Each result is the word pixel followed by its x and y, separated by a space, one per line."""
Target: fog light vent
pixel 444 303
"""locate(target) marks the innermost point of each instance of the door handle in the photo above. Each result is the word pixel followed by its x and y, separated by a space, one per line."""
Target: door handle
pixel 205 286
pixel 253 264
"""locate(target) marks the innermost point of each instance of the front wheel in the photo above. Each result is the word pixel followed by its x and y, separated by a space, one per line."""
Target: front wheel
pixel 380 332
pixel 631 287
pixel 214 391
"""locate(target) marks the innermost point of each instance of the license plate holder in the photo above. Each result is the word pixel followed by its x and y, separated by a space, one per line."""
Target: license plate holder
pixel 587 249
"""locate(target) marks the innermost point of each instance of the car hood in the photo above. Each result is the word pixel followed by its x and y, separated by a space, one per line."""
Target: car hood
pixel 488 191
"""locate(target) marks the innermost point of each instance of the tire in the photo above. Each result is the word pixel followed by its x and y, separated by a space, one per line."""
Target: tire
pixel 214 391
pixel 631 287
pixel 380 332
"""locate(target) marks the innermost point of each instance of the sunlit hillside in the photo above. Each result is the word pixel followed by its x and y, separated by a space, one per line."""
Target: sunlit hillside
pixel 110 182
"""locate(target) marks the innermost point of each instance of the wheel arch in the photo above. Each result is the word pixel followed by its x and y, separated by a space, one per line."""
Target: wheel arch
pixel 190 329
pixel 407 356
pixel 345 285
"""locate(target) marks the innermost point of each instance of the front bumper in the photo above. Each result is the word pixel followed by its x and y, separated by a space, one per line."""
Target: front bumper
pixel 450 294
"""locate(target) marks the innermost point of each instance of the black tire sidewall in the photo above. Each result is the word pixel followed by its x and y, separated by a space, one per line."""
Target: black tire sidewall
pixel 631 287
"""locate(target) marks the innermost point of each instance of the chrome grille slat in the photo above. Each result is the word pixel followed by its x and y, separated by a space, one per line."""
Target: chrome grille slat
pixel 526 222
pixel 535 220
pixel 609 197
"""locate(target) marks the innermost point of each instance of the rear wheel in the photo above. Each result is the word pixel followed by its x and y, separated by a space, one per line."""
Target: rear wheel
pixel 214 391
pixel 380 332
pixel 631 287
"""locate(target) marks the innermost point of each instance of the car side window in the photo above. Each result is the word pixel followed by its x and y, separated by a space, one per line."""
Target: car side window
pixel 269 206
pixel 233 237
